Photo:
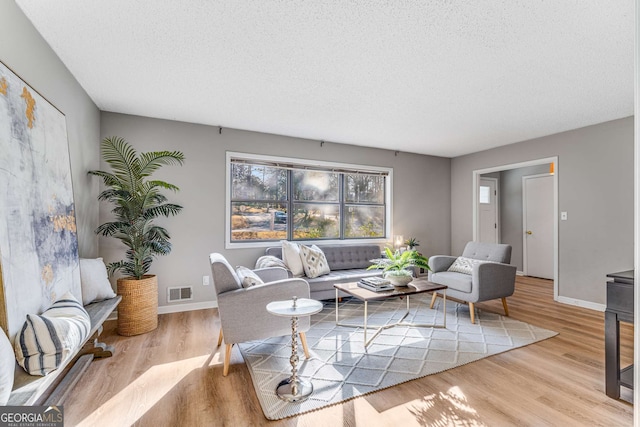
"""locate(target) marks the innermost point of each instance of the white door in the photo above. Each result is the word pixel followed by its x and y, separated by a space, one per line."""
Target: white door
pixel 537 196
pixel 488 210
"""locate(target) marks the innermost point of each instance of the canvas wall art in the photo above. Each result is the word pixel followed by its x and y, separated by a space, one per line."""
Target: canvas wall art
pixel 38 238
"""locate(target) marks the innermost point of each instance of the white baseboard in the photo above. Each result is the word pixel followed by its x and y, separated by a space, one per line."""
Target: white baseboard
pixel 519 273
pixel 581 303
pixel 176 308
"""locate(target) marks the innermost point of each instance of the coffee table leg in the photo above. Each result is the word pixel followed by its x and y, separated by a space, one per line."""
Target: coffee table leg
pixel 365 324
pixel 444 308
pixel 336 306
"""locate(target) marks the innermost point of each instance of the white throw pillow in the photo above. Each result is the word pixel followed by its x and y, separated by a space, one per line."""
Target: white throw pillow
pixel 465 265
pixel 314 261
pixel 291 257
pixel 94 281
pixel 247 277
pixel 46 340
pixel 7 368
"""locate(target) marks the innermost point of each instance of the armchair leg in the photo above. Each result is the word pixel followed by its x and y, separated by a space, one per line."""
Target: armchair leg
pixel 472 312
pixel 433 299
pixel 506 308
pixel 303 340
pixel 227 358
pixel 220 337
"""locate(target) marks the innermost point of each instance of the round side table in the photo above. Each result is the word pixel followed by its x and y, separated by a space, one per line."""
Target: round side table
pixel 294 389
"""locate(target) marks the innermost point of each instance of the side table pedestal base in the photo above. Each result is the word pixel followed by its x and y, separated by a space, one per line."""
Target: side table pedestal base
pixel 285 390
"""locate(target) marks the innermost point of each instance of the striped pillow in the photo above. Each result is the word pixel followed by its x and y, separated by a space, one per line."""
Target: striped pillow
pixel 46 340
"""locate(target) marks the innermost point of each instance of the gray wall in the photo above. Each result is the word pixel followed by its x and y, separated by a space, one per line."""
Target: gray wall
pixel 421 192
pixel 595 176
pixel 24 51
pixel 511 231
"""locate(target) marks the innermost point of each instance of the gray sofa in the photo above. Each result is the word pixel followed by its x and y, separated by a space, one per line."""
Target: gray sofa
pixel 491 280
pixel 348 263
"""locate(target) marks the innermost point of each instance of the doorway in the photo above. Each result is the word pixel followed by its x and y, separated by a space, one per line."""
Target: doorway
pixel 488 208
pixel 512 231
pixel 537 223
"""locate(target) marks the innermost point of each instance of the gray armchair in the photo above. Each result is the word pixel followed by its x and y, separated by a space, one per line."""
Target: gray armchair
pixel 243 313
pixel 487 281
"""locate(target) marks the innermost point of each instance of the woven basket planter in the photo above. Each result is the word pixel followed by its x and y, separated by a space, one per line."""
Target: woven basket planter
pixel 138 310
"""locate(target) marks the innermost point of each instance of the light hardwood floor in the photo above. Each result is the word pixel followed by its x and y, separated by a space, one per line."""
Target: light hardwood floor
pixel 173 377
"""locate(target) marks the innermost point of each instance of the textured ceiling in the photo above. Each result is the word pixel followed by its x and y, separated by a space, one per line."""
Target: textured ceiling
pixel 435 77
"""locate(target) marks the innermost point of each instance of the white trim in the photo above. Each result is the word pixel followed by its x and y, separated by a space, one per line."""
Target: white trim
pixel 582 303
pixel 554 159
pixel 519 273
pixel 496 182
pixel 524 217
pixel 178 308
pixel 328 165
pixel 636 218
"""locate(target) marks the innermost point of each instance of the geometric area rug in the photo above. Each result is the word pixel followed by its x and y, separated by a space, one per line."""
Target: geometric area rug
pixel 340 368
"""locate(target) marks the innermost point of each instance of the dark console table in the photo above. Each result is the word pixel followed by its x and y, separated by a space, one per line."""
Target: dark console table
pixel 619 309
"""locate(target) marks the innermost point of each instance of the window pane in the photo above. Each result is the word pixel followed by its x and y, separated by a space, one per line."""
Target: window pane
pixel 253 182
pixel 258 221
pixel 315 186
pixel 314 221
pixel 364 221
pixel 361 188
pixel 485 194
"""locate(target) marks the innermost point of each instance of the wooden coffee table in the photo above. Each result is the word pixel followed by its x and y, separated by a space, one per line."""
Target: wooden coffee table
pixel 417 286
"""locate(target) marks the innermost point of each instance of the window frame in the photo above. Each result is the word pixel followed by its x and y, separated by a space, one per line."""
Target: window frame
pixel 318 164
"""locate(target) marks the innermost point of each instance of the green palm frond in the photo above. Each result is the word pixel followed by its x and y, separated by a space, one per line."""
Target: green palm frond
pixel 137 202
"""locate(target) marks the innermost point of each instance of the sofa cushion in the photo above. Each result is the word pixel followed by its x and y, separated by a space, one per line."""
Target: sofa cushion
pixel 314 262
pixel 458 281
pixel 465 265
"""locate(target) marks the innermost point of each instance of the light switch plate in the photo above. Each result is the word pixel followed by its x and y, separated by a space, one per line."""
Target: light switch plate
pixel 205 280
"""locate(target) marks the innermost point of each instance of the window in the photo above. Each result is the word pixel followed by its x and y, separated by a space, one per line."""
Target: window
pixel 274 199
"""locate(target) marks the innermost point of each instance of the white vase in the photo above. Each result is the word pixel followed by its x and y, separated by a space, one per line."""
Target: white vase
pixel 399 280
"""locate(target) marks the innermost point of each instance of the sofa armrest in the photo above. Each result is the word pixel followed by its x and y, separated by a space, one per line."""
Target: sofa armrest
pixel 244 315
pixel 493 280
pixel 439 263
pixel 271 274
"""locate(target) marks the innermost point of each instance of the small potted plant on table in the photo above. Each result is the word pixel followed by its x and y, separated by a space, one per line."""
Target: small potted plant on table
pixel 398 266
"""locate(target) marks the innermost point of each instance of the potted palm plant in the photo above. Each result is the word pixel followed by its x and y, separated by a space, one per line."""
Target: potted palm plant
pixel 137 201
pixel 398 266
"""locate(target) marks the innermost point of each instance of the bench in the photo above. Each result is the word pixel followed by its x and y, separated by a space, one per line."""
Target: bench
pixel 52 389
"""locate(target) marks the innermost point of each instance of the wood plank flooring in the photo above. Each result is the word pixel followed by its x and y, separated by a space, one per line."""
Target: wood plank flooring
pixel 173 377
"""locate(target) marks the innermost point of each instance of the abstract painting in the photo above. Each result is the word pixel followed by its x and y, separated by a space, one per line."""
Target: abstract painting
pixel 38 237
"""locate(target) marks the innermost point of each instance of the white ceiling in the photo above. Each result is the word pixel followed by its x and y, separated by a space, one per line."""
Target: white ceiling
pixel 435 77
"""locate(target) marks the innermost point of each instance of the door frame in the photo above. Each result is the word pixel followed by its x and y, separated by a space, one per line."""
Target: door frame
pixel 524 217
pixel 497 202
pixel 476 179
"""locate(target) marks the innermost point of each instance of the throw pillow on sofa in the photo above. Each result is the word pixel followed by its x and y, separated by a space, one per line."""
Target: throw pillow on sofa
pixel 94 281
pixel 291 257
pixel 465 265
pixel 314 261
pixel 7 368
pixel 46 340
pixel 247 277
